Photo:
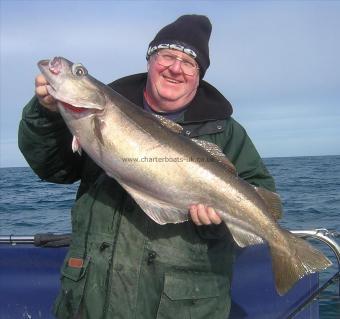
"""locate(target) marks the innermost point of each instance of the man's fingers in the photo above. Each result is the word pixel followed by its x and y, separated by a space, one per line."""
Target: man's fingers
pixel 193 213
pixel 202 214
pixel 213 216
pixel 42 94
pixel 41 91
pixel 40 80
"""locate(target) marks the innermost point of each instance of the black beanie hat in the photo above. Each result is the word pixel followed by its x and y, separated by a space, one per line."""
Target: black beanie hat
pixel 190 34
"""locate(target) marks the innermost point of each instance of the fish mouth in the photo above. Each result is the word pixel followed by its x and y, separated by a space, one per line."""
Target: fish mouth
pixel 49 71
pixel 77 106
pixel 54 68
pixel 76 109
pixel 70 105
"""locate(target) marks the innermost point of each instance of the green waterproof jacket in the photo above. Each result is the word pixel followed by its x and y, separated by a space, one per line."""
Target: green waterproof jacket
pixel 121 264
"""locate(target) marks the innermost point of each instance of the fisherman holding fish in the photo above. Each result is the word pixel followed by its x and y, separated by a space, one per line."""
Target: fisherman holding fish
pixel 134 253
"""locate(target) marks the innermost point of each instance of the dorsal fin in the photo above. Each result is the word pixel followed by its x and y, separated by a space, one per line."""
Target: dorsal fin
pixel 217 154
pixel 272 200
pixel 169 123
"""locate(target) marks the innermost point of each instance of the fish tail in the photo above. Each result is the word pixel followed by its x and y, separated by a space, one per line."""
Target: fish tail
pixel 294 261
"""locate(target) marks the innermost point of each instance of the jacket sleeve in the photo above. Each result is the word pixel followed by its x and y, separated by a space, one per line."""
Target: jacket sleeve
pixel 242 153
pixel 45 142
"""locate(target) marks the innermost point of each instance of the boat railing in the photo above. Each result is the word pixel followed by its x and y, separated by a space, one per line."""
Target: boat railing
pixel 39 240
pixel 58 240
pixel 55 240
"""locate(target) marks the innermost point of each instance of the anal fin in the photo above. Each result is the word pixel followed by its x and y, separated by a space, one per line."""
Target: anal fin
pixel 242 233
pixel 244 238
pixel 159 211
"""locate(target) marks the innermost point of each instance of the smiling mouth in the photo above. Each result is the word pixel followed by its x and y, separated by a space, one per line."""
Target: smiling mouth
pixel 171 80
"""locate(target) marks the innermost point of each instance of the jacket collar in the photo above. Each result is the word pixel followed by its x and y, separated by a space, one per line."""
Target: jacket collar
pixel 208 104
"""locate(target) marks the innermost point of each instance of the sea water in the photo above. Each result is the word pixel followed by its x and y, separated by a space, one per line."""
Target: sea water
pixel 309 188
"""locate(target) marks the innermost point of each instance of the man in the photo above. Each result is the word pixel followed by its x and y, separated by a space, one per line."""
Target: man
pixel 121 264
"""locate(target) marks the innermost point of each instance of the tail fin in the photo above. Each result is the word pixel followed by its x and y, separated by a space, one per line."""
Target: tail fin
pixel 300 259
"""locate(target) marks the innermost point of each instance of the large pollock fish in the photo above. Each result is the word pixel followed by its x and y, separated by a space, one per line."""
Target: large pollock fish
pixel 166 172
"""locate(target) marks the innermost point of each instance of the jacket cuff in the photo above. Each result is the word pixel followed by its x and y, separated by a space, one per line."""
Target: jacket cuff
pixel 212 231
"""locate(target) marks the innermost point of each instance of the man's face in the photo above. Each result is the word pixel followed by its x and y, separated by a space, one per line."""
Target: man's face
pixel 169 88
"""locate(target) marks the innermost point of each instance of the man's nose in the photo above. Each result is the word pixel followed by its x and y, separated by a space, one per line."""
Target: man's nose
pixel 176 67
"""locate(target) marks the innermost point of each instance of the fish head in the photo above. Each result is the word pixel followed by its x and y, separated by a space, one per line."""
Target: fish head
pixel 72 86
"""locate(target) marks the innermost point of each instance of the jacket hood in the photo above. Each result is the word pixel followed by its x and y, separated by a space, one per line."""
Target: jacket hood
pixel 208 103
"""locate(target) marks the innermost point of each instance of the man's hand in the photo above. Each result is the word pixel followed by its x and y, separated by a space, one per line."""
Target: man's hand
pixel 42 94
pixel 203 215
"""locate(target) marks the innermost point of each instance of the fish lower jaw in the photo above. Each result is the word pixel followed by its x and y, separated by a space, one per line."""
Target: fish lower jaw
pixel 51 90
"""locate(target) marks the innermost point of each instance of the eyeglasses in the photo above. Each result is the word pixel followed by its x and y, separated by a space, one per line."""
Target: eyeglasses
pixel 167 59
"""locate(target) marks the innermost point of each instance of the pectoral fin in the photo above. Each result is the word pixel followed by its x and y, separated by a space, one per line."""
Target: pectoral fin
pixel 98 127
pixel 76 145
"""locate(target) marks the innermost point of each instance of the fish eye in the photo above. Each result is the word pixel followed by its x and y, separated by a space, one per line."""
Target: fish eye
pixel 79 70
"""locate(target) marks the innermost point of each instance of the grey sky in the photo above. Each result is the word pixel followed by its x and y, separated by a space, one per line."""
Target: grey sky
pixel 276 61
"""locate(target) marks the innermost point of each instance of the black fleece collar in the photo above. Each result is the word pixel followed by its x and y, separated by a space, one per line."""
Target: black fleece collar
pixel 208 104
